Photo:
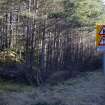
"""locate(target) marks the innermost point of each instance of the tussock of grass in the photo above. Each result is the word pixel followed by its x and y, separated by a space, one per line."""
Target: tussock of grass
pixel 7 86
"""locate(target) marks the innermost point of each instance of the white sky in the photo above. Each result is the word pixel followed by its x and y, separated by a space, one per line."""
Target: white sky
pixel 103 1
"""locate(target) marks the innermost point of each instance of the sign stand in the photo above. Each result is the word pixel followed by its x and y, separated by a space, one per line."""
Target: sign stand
pixel 104 63
pixel 100 42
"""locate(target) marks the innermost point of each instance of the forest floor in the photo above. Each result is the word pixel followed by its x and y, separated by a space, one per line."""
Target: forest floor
pixel 86 89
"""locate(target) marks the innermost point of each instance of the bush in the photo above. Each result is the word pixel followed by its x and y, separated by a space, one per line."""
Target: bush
pixel 9 57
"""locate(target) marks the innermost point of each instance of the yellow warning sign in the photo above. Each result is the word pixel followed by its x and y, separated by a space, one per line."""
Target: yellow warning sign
pixel 100 35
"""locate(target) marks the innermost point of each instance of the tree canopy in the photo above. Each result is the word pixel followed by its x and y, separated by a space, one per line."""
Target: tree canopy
pixel 84 11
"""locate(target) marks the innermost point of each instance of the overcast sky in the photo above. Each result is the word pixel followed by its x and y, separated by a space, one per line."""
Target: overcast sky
pixel 103 1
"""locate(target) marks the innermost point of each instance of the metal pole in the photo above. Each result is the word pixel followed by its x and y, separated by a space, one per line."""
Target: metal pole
pixel 104 62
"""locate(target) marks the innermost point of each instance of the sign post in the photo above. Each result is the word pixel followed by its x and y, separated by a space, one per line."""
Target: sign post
pixel 100 41
pixel 104 62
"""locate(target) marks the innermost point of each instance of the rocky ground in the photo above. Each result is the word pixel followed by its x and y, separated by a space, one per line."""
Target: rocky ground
pixel 85 89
